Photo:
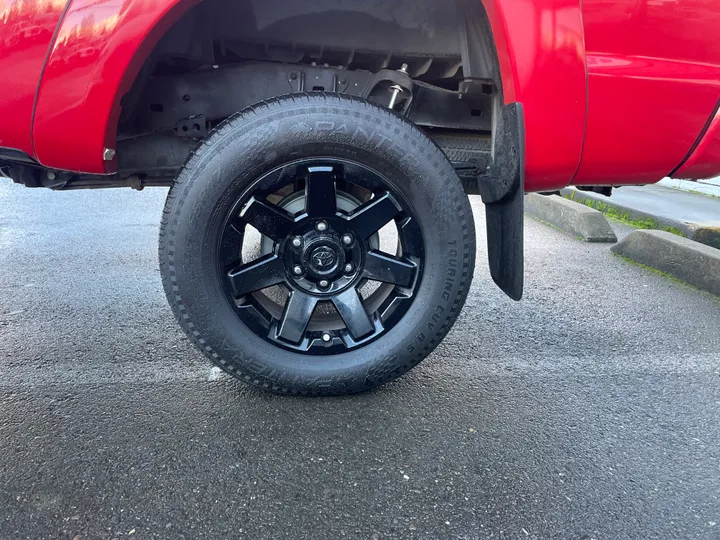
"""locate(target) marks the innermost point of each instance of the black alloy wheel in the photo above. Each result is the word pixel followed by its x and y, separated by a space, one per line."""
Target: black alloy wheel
pixel 317 244
pixel 322 255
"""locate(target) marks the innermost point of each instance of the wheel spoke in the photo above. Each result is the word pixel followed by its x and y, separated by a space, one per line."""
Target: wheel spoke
pixel 298 311
pixel 264 272
pixel 373 216
pixel 349 305
pixel 267 218
pixel 320 192
pixel 411 238
pixel 388 269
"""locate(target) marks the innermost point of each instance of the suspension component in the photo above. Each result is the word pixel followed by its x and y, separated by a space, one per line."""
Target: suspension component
pixel 396 89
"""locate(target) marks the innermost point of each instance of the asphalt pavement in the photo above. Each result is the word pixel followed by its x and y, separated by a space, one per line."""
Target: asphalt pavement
pixel 590 410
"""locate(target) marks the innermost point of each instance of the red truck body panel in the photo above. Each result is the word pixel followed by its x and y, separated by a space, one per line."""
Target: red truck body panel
pixel 653 82
pixel 704 160
pixel 542 62
pixel 100 47
pixel 26 31
pixel 614 91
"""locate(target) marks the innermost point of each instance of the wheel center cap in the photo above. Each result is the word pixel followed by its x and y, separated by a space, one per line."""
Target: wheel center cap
pixel 323 258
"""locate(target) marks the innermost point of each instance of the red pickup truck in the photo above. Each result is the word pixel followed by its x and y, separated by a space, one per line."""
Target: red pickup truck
pixel 317 237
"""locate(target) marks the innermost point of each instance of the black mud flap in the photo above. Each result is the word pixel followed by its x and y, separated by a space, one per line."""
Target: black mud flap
pixel 503 189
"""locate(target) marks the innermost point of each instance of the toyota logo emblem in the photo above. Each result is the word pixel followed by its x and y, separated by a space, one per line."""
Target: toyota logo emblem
pixel 323 257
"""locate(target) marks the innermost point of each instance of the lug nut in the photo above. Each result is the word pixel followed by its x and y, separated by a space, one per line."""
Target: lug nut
pixel 297 241
pixel 326 337
pixel 321 226
pixel 323 283
pixel 347 239
pixel 297 270
pixel 349 268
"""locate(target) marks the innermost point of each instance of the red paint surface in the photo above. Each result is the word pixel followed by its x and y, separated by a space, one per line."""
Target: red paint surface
pixel 542 63
pixel 100 48
pixel 704 162
pixel 26 29
pixel 654 79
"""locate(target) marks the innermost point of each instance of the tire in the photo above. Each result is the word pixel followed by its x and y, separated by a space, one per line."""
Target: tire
pixel 355 141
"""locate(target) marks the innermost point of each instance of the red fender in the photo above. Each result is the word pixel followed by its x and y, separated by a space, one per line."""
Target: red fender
pixel 26 33
pixel 102 44
pixel 540 46
pixel 100 47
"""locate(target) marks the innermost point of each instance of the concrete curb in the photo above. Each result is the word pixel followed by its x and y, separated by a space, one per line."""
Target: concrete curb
pixel 571 217
pixel 686 260
pixel 705 233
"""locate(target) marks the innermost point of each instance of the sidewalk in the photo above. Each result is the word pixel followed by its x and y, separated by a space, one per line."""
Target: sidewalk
pixel 707 187
pixel 686 213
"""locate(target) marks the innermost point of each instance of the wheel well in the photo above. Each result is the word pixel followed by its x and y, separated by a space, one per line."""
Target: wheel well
pixel 224 56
